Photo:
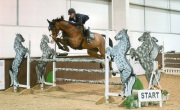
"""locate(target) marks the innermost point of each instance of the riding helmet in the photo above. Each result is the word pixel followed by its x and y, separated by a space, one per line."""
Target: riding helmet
pixel 71 10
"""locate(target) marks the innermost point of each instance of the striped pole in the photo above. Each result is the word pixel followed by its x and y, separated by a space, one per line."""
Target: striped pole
pixel 106 70
pixel 54 67
pixel 28 65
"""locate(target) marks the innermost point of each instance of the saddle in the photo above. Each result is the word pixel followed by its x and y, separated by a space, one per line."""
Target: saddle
pixel 82 30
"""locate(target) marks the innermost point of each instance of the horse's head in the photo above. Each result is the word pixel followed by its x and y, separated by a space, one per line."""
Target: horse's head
pixel 154 39
pixel 53 28
pixel 144 37
pixel 120 34
pixel 19 38
pixel 45 39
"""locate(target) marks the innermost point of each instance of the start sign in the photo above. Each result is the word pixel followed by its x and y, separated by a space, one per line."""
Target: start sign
pixel 149 96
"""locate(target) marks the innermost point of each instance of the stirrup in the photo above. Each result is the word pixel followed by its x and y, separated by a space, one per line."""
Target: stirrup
pixel 88 40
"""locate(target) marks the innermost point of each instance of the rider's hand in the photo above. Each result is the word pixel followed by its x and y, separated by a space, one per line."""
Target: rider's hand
pixel 72 22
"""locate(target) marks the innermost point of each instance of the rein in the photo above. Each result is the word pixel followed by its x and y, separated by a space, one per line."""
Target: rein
pixel 71 31
pixel 67 26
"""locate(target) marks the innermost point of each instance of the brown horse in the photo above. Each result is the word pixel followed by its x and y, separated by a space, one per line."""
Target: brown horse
pixel 74 38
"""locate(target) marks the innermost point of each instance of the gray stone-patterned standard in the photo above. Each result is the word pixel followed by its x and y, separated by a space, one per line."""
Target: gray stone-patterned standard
pixel 47 53
pixel 146 53
pixel 118 55
pixel 20 54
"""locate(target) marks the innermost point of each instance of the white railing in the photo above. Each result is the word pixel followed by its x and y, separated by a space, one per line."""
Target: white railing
pixel 169 70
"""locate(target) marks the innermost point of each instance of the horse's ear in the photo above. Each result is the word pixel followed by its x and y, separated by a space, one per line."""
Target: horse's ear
pixel 48 21
pixel 62 17
pixel 126 30
pixel 148 32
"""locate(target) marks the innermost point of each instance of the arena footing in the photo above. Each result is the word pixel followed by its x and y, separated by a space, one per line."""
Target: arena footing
pixel 20 90
pixel 47 88
pixel 103 100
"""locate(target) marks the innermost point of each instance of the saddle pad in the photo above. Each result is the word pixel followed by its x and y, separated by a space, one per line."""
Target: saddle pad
pixel 91 35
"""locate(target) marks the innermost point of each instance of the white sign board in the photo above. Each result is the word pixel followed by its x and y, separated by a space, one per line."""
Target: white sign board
pixel 2 74
pixel 149 96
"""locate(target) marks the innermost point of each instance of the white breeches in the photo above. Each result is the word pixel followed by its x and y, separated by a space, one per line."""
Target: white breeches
pixel 87 23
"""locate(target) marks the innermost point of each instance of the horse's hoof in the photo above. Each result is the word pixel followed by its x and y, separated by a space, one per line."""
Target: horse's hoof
pixel 114 74
pixel 11 84
pixel 122 95
pixel 67 50
pixel 38 82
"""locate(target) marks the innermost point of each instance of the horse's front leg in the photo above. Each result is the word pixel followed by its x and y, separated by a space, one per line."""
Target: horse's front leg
pixel 64 42
pixel 110 56
pixel 161 48
pixel 58 44
pixel 108 53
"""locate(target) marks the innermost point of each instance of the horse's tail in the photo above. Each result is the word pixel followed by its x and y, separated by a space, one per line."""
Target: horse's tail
pixel 110 41
pixel 11 76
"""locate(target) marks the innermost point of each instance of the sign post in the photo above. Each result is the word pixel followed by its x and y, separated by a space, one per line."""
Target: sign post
pixel 149 96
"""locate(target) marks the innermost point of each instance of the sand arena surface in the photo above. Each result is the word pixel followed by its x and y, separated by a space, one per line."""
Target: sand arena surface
pixel 79 96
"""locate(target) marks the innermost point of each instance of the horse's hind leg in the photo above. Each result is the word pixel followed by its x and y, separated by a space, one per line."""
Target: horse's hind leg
pixel 12 77
pixel 94 53
pixel 130 85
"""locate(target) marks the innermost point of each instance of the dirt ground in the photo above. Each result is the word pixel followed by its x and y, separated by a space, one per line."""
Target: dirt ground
pixel 79 96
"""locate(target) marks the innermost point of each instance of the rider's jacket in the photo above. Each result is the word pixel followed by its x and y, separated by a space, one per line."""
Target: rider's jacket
pixel 79 19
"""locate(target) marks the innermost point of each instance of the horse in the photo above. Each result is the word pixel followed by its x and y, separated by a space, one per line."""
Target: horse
pixel 143 54
pixel 47 53
pixel 21 52
pixel 118 54
pixel 74 38
pixel 146 54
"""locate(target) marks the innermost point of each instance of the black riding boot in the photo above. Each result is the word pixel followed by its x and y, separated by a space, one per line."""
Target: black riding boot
pixel 87 33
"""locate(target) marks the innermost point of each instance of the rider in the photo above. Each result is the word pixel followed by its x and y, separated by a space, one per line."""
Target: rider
pixel 78 20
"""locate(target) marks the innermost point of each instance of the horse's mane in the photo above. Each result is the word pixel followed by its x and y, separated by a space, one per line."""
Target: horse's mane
pixel 58 19
pixel 54 21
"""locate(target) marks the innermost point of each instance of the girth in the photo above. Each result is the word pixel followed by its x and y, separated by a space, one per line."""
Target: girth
pixel 80 45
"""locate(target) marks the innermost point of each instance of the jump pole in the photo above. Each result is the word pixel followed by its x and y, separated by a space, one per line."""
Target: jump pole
pixel 28 65
pixel 163 54
pixel 54 67
pixel 107 98
pixel 106 70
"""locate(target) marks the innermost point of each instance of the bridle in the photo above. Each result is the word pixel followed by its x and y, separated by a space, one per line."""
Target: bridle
pixel 65 27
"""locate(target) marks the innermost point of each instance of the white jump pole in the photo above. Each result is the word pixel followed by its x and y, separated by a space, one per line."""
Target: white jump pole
pixel 28 65
pixel 163 64
pixel 54 67
pixel 107 70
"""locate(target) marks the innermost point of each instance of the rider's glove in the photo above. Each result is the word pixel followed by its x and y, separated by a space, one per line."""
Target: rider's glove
pixel 72 22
